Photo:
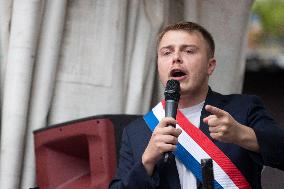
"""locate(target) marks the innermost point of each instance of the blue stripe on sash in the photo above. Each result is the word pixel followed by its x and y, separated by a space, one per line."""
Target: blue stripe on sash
pixel 151 120
pixel 181 153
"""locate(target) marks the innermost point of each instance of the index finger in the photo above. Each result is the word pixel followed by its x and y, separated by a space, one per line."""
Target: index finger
pixel 166 121
pixel 214 110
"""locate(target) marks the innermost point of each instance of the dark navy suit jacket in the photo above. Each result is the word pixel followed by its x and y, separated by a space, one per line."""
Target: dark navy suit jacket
pixel 247 110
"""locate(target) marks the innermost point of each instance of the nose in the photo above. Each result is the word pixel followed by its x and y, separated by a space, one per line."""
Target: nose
pixel 177 58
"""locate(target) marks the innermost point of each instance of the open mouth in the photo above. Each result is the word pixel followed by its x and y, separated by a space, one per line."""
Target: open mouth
pixel 176 73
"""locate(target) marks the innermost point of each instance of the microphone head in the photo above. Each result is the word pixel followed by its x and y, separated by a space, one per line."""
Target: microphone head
pixel 172 90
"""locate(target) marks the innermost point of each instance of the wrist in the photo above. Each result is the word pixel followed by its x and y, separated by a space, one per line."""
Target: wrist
pixel 247 138
pixel 241 135
pixel 148 164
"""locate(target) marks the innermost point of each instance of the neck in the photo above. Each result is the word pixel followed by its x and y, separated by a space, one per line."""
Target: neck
pixel 192 99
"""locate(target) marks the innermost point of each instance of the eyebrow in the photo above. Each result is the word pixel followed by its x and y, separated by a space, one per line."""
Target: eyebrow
pixel 182 47
pixel 191 46
pixel 166 47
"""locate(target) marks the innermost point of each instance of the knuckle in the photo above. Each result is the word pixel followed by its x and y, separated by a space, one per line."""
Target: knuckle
pixel 159 146
pixel 172 129
pixel 223 129
pixel 210 122
pixel 155 140
pixel 177 133
pixel 156 130
pixel 226 120
pixel 155 136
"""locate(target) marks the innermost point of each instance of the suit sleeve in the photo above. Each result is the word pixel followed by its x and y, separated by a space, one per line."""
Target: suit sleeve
pixel 130 173
pixel 269 134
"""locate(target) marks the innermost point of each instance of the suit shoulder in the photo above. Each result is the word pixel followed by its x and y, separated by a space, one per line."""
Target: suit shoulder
pixel 239 98
pixel 136 125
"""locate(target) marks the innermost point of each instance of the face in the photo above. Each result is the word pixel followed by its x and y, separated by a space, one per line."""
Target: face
pixel 183 56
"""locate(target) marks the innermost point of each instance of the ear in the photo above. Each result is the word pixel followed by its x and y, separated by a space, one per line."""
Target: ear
pixel 211 65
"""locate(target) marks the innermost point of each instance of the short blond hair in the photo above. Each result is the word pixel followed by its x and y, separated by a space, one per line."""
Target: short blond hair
pixel 190 27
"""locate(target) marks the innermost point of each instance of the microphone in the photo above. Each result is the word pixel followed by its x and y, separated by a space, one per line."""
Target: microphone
pixel 172 95
pixel 207 174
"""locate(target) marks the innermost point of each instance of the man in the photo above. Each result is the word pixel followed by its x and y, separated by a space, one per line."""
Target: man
pixel 234 130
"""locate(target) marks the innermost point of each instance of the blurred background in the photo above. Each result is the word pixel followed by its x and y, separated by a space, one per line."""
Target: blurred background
pixel 264 73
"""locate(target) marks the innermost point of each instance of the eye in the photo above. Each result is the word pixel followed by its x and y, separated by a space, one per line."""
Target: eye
pixel 165 52
pixel 190 51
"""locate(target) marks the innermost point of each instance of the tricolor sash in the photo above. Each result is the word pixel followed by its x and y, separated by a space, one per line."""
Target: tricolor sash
pixel 193 145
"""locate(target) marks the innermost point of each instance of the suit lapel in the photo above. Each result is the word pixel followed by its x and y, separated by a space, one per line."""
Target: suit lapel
pixel 171 174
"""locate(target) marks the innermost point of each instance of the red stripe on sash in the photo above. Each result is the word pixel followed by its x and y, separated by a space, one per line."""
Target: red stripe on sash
pixel 212 150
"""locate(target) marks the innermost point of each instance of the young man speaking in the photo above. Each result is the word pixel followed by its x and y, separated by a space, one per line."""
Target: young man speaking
pixel 235 131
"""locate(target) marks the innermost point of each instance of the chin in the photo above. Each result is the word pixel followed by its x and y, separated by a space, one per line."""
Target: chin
pixel 185 92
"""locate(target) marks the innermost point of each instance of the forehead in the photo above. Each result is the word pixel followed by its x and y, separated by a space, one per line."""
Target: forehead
pixel 176 37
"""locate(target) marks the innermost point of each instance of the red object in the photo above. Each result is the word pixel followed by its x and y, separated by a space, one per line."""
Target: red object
pixel 76 155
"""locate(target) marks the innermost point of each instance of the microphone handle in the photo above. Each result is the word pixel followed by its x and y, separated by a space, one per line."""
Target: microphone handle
pixel 207 173
pixel 170 111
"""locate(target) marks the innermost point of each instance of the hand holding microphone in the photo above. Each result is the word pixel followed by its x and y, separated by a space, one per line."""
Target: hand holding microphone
pixel 164 138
